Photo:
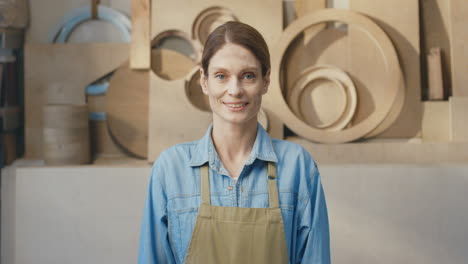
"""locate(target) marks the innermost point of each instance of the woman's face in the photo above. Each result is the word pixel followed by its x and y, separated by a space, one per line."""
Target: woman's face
pixel 234 85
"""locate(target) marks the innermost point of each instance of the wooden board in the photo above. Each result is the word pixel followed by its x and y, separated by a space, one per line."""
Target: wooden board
pixel 435 122
pixel 458 119
pixel 141 40
pixel 434 72
pixel 66 69
pixel 435 32
pixel 403 29
pixel 459 50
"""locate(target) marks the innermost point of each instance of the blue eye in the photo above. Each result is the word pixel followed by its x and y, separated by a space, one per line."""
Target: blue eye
pixel 220 76
pixel 249 76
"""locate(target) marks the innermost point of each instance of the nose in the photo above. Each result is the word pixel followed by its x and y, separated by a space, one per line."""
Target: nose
pixel 235 88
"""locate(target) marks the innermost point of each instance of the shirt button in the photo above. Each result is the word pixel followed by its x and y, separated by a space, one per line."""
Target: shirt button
pixel 230 188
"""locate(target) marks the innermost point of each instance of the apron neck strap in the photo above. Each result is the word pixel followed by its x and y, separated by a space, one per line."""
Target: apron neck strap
pixel 272 185
pixel 205 184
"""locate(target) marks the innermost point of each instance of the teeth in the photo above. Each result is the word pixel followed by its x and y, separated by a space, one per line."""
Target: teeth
pixel 235 105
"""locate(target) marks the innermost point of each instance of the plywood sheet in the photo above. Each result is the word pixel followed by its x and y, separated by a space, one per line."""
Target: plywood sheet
pixel 459 49
pixel 65 69
pixel 458 119
pixel 435 122
pixel 400 20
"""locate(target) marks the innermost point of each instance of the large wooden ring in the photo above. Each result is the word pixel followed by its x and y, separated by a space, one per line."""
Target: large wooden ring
pixel 341 80
pixel 393 80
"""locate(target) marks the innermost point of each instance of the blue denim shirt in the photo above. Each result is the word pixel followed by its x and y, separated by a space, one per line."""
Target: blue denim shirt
pixel 174 197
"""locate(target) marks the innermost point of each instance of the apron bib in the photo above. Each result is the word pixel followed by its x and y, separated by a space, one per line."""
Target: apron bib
pixel 234 235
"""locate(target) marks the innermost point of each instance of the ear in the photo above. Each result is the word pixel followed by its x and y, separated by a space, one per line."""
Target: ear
pixel 266 82
pixel 203 81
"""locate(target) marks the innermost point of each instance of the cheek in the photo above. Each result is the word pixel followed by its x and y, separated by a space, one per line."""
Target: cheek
pixel 214 90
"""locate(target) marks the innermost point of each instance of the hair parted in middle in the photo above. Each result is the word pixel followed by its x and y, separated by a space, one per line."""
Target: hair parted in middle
pixel 240 34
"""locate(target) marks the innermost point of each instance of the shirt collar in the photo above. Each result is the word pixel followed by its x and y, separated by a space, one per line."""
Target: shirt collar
pixel 205 151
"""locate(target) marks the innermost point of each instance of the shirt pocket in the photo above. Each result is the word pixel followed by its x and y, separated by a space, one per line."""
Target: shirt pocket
pixel 183 225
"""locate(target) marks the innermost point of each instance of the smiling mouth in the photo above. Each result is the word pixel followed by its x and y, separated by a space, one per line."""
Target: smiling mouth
pixel 238 107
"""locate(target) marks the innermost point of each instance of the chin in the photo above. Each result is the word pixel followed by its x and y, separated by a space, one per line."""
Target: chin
pixel 238 120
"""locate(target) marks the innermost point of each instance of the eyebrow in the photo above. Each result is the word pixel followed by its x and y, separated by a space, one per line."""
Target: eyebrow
pixel 243 69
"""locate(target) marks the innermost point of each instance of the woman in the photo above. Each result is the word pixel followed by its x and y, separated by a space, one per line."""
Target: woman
pixel 236 195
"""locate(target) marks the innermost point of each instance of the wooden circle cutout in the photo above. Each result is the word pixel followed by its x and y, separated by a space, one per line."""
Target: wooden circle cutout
pixel 346 92
pixel 186 45
pixel 127 109
pixel 194 91
pixel 170 65
pixel 314 107
pixel 390 94
pixel 208 20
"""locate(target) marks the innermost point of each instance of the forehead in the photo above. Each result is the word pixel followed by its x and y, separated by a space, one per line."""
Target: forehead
pixel 233 57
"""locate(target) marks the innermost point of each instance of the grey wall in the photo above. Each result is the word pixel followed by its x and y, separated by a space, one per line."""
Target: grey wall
pixel 378 214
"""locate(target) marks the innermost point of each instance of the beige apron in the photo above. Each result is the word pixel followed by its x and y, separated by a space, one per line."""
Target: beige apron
pixel 228 235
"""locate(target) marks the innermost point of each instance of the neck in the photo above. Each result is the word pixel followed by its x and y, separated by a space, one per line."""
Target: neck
pixel 234 142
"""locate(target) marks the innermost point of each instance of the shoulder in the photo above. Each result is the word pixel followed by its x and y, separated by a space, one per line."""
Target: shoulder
pixel 297 170
pixel 183 152
pixel 174 161
pixel 290 151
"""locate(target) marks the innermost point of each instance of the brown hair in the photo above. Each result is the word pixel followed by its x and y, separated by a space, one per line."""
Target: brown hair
pixel 240 34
